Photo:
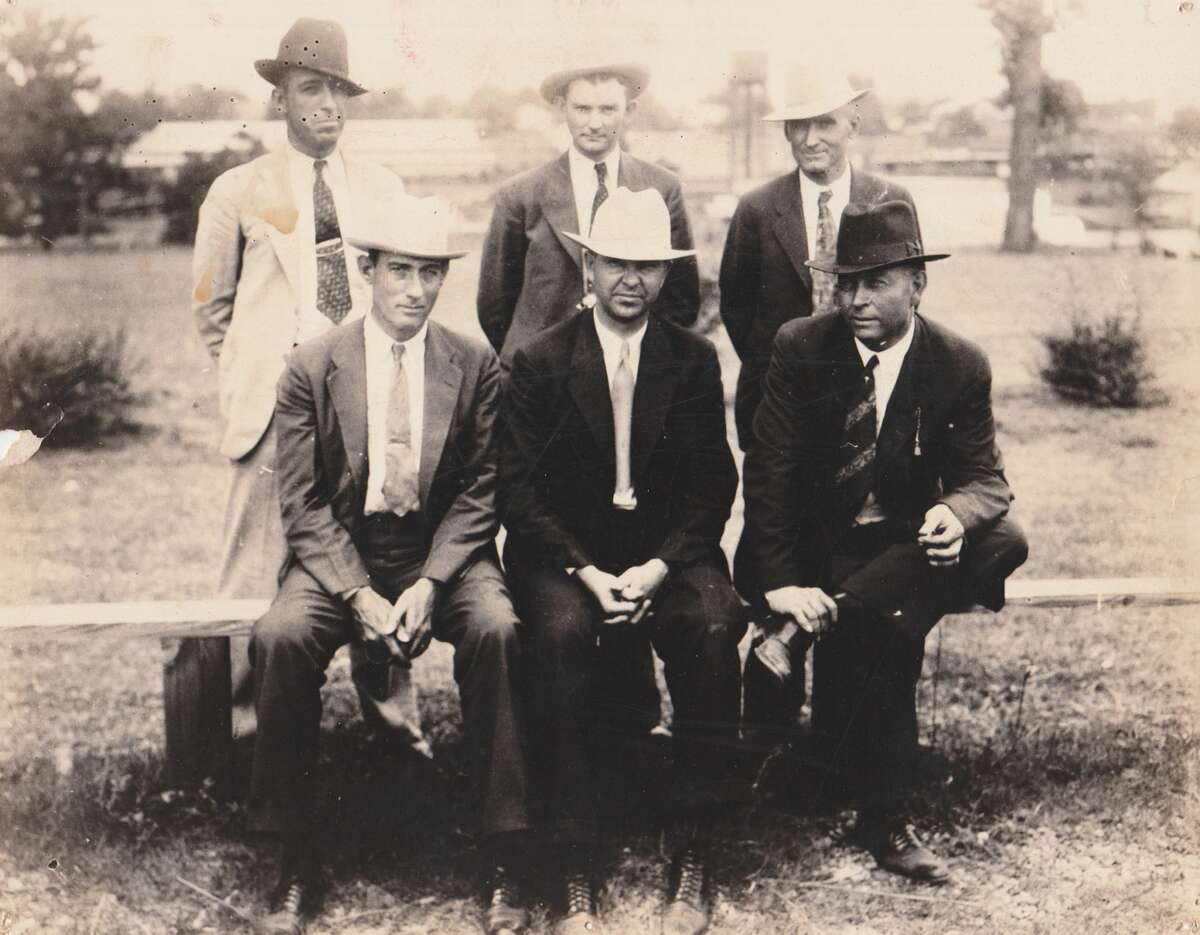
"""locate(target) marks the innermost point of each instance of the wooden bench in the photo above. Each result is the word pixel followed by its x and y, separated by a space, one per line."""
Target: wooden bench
pixel 196 686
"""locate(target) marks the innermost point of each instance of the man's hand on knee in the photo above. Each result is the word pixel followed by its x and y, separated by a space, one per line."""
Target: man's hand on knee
pixel 941 536
pixel 372 616
pixel 813 610
pixel 640 584
pixel 411 618
pixel 607 590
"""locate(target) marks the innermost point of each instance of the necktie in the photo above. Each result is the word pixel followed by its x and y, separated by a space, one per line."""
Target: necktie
pixel 855 477
pixel 333 285
pixel 823 283
pixel 400 469
pixel 622 406
pixel 601 192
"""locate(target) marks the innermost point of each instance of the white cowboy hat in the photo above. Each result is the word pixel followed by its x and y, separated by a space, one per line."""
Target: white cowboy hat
pixel 396 222
pixel 635 78
pixel 632 226
pixel 815 92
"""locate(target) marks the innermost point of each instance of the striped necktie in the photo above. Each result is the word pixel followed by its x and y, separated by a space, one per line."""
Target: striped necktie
pixel 826 246
pixel 333 283
pixel 855 477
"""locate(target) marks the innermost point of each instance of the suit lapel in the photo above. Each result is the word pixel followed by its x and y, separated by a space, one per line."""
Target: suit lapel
pixel 845 365
pixel 588 384
pixel 443 379
pixel 899 422
pixel 558 206
pixel 790 228
pixel 654 392
pixel 347 383
pixel 276 204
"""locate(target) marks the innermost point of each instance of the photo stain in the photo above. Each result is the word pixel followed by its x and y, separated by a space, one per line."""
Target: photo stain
pixel 204 286
pixel 282 219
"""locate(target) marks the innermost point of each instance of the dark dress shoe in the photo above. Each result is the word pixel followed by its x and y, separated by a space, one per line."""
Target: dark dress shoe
pixel 504 915
pixel 687 909
pixel 580 915
pixel 897 849
pixel 287 907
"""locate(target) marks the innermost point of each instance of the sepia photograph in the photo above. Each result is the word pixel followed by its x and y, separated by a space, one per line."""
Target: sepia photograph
pixel 567 467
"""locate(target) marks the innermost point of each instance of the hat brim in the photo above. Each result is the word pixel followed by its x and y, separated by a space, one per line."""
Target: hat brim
pixel 365 244
pixel 841 269
pixel 624 251
pixel 636 78
pixel 272 70
pixel 806 110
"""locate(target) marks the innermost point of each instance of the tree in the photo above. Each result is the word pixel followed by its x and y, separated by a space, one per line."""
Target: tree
pixel 206 102
pixel 392 103
pixel 1184 129
pixel 958 126
pixel 183 196
pixel 1132 169
pixel 55 159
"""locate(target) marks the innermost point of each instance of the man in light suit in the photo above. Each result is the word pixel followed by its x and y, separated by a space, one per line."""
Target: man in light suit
pixel 876 502
pixel 270 271
pixel 616 482
pixel 778 227
pixel 387 468
pixel 532 274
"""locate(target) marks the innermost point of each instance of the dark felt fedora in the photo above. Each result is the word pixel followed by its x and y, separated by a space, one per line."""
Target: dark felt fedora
pixel 316 44
pixel 876 236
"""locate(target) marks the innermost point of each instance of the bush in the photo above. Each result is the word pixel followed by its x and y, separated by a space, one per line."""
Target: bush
pixel 1101 365
pixel 87 374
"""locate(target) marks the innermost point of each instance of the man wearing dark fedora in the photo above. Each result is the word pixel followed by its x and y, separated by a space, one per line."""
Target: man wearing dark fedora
pixel 876 502
pixel 616 481
pixel 532 275
pixel 270 272
pixel 387 469
pixel 779 226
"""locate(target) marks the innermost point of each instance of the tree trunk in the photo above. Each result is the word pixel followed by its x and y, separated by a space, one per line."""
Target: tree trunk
pixel 1025 82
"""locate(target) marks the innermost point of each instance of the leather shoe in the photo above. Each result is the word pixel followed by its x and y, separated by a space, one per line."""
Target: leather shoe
pixel 897 849
pixel 687 909
pixel 580 916
pixel 287 907
pixel 504 915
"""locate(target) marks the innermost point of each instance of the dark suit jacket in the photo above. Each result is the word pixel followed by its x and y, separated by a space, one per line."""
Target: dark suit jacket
pixel 557 468
pixel 531 275
pixel 794 514
pixel 764 281
pixel 321 460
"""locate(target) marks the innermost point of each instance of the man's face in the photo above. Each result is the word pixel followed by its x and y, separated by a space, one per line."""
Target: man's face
pixel 879 304
pixel 404 290
pixel 314 106
pixel 819 144
pixel 596 112
pixel 625 289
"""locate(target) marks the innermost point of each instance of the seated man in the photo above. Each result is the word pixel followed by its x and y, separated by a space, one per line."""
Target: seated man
pixel 616 481
pixel 875 503
pixel 387 469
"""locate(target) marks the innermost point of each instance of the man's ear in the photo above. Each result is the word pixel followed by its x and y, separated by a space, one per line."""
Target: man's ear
pixel 366 267
pixel 918 281
pixel 277 100
pixel 630 106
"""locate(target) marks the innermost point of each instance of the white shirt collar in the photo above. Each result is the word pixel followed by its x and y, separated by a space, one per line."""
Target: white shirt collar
pixel 839 186
pixel 610 345
pixel 584 168
pixel 332 161
pixel 380 342
pixel 890 357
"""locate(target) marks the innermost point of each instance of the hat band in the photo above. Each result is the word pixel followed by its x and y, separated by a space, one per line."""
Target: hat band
pixel 880 253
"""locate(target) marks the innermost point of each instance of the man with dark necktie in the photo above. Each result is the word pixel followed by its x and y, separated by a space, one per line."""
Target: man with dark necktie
pixel 616 482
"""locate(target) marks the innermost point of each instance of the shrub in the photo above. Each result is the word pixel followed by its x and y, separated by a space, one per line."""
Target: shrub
pixel 1100 364
pixel 87 374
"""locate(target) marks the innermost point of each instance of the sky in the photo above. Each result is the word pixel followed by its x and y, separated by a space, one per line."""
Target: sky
pixel 1113 49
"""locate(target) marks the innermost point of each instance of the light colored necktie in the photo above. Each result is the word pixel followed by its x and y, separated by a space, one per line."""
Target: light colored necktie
pixel 622 406
pixel 333 285
pixel 400 468
pixel 823 283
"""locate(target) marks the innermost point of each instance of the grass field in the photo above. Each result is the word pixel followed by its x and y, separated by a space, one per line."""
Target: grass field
pixel 1063 764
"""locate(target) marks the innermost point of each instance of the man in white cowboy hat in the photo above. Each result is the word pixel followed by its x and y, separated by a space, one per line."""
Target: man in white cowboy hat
pixel 271 271
pixel 616 481
pixel 532 273
pixel 876 502
pixel 387 469
pixel 778 227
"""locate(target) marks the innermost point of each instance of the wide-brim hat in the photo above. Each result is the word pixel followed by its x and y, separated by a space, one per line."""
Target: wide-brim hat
pixel 632 226
pixel 814 93
pixel 876 236
pixel 634 77
pixel 316 44
pixel 396 222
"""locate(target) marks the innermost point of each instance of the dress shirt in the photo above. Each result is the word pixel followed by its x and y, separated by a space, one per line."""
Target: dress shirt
pixel 380 368
pixel 584 182
pixel 310 322
pixel 887 372
pixel 610 346
pixel 839 197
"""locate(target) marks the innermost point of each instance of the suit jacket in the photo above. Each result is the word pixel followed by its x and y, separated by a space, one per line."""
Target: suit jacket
pixel 763 279
pixel 557 462
pixel 941 407
pixel 531 275
pixel 245 288
pixel 321 459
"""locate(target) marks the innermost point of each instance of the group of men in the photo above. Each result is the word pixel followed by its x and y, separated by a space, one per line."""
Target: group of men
pixel 376 453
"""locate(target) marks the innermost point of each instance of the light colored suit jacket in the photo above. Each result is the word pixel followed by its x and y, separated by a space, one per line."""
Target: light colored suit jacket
pixel 245 285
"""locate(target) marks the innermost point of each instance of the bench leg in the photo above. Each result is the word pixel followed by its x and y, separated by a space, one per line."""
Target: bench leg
pixel 198 710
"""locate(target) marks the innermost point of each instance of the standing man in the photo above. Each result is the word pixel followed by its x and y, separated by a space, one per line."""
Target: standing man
pixel 270 271
pixel 778 227
pixel 387 468
pixel 532 272
pixel 616 482
pixel 875 503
